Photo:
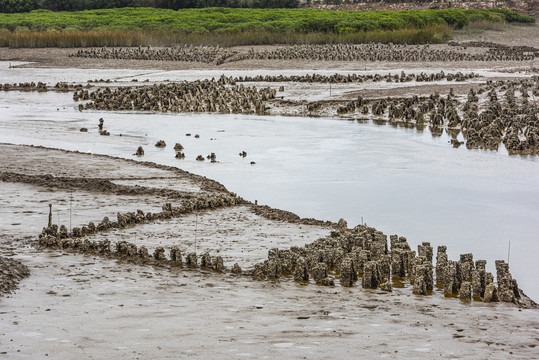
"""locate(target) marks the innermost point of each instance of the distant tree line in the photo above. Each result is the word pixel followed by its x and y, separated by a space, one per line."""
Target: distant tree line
pixel 18 6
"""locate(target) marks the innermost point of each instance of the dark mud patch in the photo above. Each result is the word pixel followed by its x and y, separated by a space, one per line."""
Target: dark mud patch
pixel 11 273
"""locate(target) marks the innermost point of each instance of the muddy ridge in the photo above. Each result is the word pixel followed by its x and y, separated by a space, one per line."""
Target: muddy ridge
pixel 94 185
pixel 12 272
pixel 283 215
pixel 206 184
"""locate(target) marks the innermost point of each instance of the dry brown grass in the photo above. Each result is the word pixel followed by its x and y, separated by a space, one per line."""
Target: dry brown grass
pixel 99 38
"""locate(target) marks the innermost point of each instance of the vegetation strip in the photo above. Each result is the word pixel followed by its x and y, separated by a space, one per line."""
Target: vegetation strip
pixel 211 20
pixel 145 26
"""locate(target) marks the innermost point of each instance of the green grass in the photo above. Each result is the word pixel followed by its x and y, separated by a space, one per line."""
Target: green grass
pixel 227 27
pixel 210 20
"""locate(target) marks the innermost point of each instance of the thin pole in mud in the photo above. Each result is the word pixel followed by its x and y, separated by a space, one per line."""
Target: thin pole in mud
pixel 508 252
pixel 70 209
pixel 330 88
pixel 196 227
pixel 362 220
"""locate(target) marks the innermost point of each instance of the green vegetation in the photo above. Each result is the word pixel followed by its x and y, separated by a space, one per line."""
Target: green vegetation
pixel 211 20
pixel 149 26
pixel 17 6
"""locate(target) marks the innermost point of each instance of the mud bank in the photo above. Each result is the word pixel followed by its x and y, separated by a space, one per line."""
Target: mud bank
pixel 76 303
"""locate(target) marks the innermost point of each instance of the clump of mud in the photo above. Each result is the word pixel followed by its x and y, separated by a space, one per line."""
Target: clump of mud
pixel 11 273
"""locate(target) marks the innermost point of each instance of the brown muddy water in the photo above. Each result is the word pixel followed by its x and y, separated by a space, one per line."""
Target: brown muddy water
pixel 401 181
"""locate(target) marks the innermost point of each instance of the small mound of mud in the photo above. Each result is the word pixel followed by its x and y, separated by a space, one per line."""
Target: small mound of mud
pixel 11 273
pixel 287 216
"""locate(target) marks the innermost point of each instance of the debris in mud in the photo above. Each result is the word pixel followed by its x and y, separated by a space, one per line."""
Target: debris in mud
pixel 160 144
pixel 101 130
pixel 236 269
pixel 139 152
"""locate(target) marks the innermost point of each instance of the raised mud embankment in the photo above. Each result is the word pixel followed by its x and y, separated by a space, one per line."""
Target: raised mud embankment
pixel 11 273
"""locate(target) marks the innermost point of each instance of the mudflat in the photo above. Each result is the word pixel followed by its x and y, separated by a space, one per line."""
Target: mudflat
pixel 86 295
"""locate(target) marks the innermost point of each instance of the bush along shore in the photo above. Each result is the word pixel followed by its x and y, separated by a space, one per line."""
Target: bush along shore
pixel 148 26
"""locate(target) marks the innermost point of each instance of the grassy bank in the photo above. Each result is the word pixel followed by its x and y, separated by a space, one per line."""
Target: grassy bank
pixel 227 27
pixel 99 38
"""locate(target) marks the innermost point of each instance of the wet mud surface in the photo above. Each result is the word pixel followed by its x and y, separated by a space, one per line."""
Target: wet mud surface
pixel 75 303
pixel 78 305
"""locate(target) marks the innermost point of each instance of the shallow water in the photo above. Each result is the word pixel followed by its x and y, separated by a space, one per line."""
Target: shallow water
pixel 398 180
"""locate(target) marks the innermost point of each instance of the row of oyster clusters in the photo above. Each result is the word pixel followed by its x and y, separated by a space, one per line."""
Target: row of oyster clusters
pixel 391 52
pixel 327 52
pixel 346 256
pixel 349 255
pixel 53 236
pixel 193 96
pixel 499 112
pixel 352 78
